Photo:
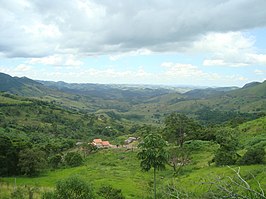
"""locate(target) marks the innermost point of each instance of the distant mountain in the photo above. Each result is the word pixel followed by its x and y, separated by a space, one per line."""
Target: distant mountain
pixel 251 84
pixel 21 86
pixel 252 90
pixel 208 92
pixel 109 92
pixel 8 83
pixel 149 103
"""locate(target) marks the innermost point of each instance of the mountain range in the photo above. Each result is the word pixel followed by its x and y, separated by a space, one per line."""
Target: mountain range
pixel 144 102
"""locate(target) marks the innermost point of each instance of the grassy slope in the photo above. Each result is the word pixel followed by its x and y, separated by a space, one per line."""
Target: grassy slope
pixel 120 168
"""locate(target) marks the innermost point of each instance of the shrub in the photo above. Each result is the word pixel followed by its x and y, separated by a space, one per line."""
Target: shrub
pixel 254 155
pixel 31 161
pixel 109 192
pixel 225 157
pixel 73 159
pixel 55 161
pixel 74 188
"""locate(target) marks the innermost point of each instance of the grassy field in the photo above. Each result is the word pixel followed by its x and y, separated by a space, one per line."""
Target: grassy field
pixel 120 169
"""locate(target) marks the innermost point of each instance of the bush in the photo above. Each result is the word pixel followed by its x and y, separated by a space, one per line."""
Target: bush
pixel 49 195
pixel 55 161
pixel 18 194
pixel 109 192
pixel 73 159
pixel 31 161
pixel 254 155
pixel 73 188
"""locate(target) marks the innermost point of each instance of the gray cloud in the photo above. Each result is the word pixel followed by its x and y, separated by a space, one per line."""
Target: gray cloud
pixel 37 28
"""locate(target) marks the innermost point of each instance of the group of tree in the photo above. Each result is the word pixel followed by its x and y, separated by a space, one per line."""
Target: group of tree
pixel 156 153
pixel 20 157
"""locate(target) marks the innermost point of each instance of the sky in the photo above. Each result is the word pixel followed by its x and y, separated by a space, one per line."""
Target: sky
pixel 166 42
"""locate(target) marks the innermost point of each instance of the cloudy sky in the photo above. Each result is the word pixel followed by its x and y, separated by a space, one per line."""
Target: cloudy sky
pixel 172 42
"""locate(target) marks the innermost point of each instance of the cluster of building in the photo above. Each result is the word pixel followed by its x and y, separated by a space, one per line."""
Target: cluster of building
pixel 99 143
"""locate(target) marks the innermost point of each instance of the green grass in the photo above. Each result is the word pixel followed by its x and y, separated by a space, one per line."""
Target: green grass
pixel 12 101
pixel 120 169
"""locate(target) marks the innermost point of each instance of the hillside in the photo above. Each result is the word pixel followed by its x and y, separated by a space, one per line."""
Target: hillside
pixel 120 169
pixel 53 120
pixel 42 121
pixel 144 103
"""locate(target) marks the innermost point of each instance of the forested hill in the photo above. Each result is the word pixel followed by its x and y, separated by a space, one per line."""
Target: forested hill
pixel 21 86
pixel 145 103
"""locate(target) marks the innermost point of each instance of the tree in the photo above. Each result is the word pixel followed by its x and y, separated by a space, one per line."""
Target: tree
pixel 153 155
pixel 74 188
pixel 6 151
pixel 254 155
pixel 227 152
pixel 55 161
pixel 73 159
pixel 178 158
pixel 109 192
pixel 178 127
pixel 31 161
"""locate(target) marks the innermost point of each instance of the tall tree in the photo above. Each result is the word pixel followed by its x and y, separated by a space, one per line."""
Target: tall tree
pixel 31 161
pixel 153 154
pixel 227 152
pixel 178 127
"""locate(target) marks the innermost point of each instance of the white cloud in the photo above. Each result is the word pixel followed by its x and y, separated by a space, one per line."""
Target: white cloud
pixel 44 28
pixel 233 49
pixel 22 68
pixel 131 54
pixel 57 60
pixel 181 70
pixel 257 58
pixel 193 75
pixel 259 72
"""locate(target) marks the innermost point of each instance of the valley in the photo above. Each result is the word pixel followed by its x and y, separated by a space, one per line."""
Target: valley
pixel 210 133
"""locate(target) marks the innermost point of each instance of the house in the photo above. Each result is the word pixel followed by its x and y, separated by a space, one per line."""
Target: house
pixel 101 144
pixel 97 143
pixel 106 144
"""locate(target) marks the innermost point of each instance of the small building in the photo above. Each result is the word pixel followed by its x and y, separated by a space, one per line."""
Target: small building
pixel 97 143
pixel 101 144
pixel 106 144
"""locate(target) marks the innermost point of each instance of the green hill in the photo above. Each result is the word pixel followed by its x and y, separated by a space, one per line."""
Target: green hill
pixel 56 120
pixel 146 104
pixel 120 169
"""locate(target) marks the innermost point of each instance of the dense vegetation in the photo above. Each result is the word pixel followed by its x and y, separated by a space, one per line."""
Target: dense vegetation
pixel 44 141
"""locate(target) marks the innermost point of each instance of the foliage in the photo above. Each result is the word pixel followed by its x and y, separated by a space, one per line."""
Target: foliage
pixel 179 127
pixel 236 187
pixel 48 195
pixel 31 161
pixel 227 152
pixel 233 118
pixel 254 155
pixel 18 193
pixel 74 188
pixel 109 192
pixel 153 154
pixel 55 161
pixel 6 155
pixel 73 159
pixel 178 157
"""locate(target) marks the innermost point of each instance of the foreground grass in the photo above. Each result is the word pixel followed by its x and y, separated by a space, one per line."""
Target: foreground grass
pixel 120 169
